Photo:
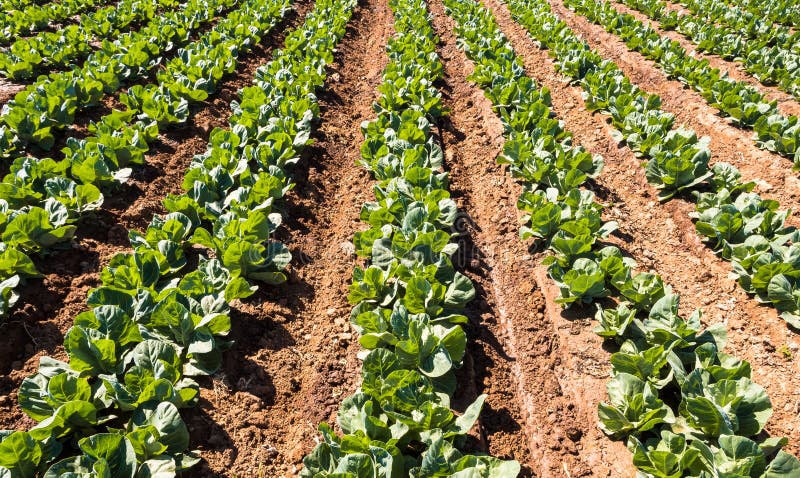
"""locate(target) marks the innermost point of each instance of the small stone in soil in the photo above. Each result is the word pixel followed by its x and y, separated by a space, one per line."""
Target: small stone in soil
pixel 574 434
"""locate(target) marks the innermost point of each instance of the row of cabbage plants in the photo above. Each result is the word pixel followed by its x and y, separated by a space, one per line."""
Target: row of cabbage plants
pixel 738 224
pixel 685 407
pixel 782 12
pixel 744 21
pixel 23 17
pixel 408 300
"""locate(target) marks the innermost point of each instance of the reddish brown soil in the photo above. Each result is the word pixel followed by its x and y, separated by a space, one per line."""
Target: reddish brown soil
pixel 787 104
pixel 495 360
pixel 662 238
pixel 543 369
pixel 8 89
pixel 728 143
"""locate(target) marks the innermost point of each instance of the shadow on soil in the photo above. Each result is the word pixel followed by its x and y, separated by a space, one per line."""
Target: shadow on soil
pixel 478 361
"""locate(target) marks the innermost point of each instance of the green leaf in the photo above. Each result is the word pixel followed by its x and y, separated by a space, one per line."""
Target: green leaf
pixel 112 449
pixel 21 454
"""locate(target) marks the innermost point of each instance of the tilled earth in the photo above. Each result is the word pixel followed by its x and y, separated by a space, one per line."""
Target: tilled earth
pixel 543 369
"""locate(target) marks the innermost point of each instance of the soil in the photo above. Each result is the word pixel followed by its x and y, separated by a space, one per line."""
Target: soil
pixel 542 368
pixel 8 89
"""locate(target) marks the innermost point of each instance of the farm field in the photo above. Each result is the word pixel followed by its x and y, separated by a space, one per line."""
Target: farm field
pixel 399 238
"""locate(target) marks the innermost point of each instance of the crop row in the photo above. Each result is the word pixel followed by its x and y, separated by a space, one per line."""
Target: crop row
pixel 158 323
pixel 46 198
pixel 52 101
pixel 686 408
pixel 752 25
pixel 743 103
pixel 738 224
pixel 6 5
pixel 28 56
pixel 784 12
pixel 408 300
pixel 774 60
pixel 27 17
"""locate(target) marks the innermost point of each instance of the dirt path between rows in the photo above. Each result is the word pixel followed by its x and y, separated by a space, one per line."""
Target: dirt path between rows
pixel 787 104
pixel 469 145
pixel 295 358
pixel 48 306
pixel 728 143
pixel 662 239
pixel 544 365
pixel 8 89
